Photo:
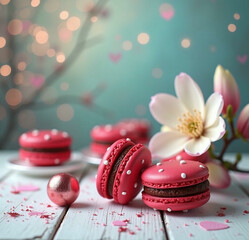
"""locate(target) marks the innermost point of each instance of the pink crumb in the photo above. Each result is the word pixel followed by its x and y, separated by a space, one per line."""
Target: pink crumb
pixel 227 221
pixel 131 232
pixel 103 224
pixel 221 214
pixel 14 192
pixel 191 235
pixel 185 224
pixel 235 199
pixel 246 212
pixel 14 214
pixel 95 214
pixel 122 229
pixel 34 213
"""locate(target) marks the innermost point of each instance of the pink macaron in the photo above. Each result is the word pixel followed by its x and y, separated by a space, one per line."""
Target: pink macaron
pixel 104 136
pixel 120 169
pixel 45 147
pixel 140 127
pixel 176 185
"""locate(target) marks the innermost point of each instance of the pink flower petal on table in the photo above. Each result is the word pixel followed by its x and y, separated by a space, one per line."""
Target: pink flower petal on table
pixel 218 175
pixel 212 226
pixel 27 188
pixel 119 223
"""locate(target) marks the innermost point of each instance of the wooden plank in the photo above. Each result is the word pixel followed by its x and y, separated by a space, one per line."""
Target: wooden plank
pixel 91 217
pixel 28 214
pixel 225 206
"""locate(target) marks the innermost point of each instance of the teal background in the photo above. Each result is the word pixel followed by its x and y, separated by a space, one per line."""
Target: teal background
pixel 129 83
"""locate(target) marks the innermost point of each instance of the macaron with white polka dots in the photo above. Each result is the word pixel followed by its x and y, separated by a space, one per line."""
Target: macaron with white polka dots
pixel 176 185
pixel 45 147
pixel 120 169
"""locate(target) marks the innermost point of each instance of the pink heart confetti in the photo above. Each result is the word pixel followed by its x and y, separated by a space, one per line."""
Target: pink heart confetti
pixel 37 80
pixel 242 59
pixel 166 11
pixel 212 226
pixel 115 57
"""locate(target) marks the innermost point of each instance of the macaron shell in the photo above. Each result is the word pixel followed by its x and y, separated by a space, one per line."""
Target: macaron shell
pixel 176 204
pixel 127 183
pixel 174 173
pixel 45 139
pixel 107 163
pixel 99 148
pixel 44 158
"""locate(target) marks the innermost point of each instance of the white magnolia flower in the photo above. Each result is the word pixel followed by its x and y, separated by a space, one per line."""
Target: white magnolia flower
pixel 191 124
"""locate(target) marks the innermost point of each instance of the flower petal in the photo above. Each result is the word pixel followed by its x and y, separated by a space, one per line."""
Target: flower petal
pixel 167 144
pixel 166 109
pixel 216 131
pixel 197 146
pixel 218 175
pixel 213 108
pixel 189 93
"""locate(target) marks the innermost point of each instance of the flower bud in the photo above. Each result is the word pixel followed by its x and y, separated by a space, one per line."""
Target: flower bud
pixel 225 84
pixel 243 122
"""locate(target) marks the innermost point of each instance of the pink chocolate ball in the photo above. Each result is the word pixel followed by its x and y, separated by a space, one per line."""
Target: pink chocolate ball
pixel 63 189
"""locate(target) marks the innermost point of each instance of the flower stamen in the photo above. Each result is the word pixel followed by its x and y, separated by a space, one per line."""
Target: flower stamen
pixel 191 124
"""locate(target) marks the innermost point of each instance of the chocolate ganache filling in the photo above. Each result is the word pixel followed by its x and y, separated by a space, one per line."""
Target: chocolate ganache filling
pixel 178 192
pixel 114 170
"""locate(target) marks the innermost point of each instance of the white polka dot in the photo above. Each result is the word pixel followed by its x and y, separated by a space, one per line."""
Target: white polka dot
pixel 65 134
pixel 108 127
pixel 128 172
pixel 24 135
pixel 96 176
pixel 123 132
pixel 178 157
pixel 135 185
pixel 160 170
pixel 35 132
pixel 159 164
pixel 143 161
pixel 128 139
pixel 47 137
pixel 169 209
pixel 201 166
pixel 54 131
pixel 183 175
pixel 123 193
pixel 57 161
pixel 182 162
pixel 105 162
pixel 108 149
pixel 185 211
pixel 154 209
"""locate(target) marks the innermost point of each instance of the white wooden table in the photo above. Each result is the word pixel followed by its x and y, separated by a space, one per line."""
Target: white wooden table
pixel 31 215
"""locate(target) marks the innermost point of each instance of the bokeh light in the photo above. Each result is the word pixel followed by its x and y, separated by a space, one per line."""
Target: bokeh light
pixel 94 19
pixel 236 16
pixel 157 72
pixel 231 27
pixel 166 11
pixel 35 3
pixel 73 23
pixel 65 112
pixel 5 70
pixel 51 52
pixel 21 66
pixel 60 57
pixel 127 45
pixel 15 27
pixel 41 37
pixel 13 97
pixel 64 86
pixel 64 15
pixel 143 38
pixel 185 42
pixel 65 35
pixel 2 42
pixel 2 112
pixel 26 119
pixel 4 2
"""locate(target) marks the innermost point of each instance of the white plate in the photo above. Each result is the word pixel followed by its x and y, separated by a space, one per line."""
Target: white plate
pixel 91 157
pixel 75 163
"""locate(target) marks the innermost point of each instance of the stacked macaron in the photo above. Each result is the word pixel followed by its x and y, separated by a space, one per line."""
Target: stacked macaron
pixel 120 169
pixel 45 147
pixel 176 185
pixel 104 136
